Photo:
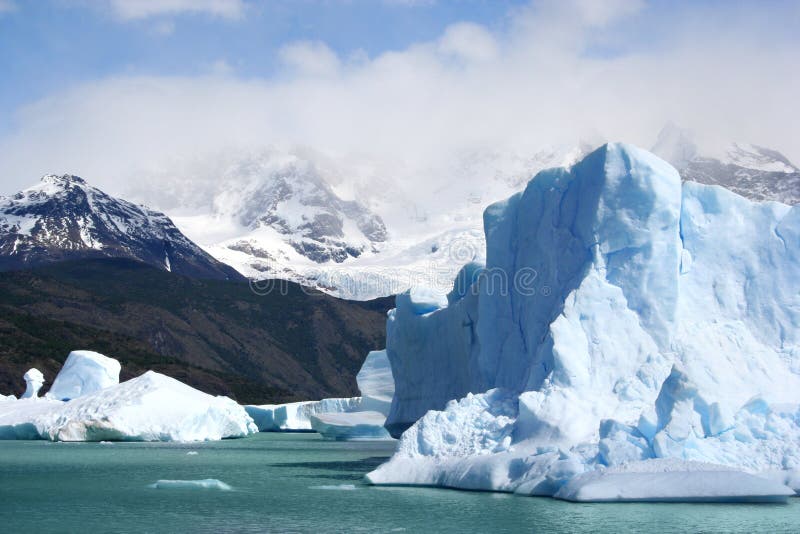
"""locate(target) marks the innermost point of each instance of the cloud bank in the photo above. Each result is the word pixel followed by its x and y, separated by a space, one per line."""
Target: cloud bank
pixel 557 72
pixel 142 9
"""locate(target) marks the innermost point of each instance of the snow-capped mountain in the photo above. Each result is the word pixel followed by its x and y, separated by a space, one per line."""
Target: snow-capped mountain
pixel 283 214
pixel 269 204
pixel 63 218
pixel 752 171
pixel 288 197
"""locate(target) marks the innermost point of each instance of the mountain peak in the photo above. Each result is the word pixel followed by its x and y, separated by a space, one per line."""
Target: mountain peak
pixel 57 179
pixel 64 218
pixel 750 170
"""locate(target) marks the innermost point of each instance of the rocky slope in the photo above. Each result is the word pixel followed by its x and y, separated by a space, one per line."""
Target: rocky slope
pixel 65 218
pixel 755 172
pixel 258 345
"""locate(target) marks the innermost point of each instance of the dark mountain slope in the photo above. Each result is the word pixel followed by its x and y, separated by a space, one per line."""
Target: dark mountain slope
pixel 219 336
pixel 64 218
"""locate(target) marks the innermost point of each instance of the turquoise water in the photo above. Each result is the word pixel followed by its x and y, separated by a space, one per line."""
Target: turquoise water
pixel 299 483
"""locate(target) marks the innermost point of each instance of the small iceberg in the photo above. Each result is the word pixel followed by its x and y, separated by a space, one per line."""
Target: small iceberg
pixel 206 483
pixel 353 426
pixel 340 487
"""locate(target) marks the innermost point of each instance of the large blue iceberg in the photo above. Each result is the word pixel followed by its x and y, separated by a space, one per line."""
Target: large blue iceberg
pixel 626 327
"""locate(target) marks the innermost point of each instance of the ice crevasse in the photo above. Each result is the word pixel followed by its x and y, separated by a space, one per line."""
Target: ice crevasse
pixel 627 331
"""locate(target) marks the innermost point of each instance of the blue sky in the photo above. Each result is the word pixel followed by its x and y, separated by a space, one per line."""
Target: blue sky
pixel 89 86
pixel 50 43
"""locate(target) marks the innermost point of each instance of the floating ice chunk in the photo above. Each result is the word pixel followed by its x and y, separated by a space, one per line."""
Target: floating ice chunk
pixel 84 372
pixel 34 380
pixel 363 420
pixel 151 407
pixel 294 416
pixel 192 453
pixel 207 483
pixel 351 426
pixel 338 487
pixel 672 480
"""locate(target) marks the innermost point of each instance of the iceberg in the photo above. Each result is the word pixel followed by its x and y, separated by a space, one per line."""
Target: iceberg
pixel 295 416
pixel 366 421
pixel 351 426
pixel 84 372
pixel 151 407
pixel 18 418
pixel 34 380
pixel 206 483
pixel 621 318
pixel 351 418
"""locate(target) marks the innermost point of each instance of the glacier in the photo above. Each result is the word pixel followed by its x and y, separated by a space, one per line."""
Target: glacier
pixel 150 407
pixel 84 372
pixel 625 327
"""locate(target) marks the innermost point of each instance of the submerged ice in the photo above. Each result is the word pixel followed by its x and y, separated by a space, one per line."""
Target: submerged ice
pixel 622 319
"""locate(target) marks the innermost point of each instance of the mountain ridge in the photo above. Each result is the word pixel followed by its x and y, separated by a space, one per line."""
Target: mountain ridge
pixel 64 218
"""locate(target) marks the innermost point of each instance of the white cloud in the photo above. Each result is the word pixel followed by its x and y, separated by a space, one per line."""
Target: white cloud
pixel 142 9
pixel 310 58
pixel 517 89
pixel 468 41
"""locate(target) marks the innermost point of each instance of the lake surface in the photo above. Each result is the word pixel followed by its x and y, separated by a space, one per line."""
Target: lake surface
pixel 300 483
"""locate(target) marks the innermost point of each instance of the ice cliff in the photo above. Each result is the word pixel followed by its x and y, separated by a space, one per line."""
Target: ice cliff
pixel 622 320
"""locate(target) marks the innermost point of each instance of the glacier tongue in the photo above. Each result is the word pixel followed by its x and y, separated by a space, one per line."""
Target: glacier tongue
pixel 623 317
